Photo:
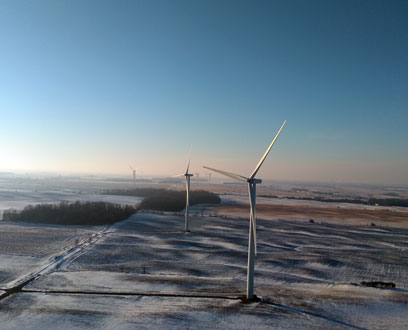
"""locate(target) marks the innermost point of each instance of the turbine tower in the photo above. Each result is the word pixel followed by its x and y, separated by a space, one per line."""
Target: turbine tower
pixel 252 182
pixel 187 176
pixel 134 175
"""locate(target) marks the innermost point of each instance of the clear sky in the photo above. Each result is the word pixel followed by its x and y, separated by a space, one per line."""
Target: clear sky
pixel 92 86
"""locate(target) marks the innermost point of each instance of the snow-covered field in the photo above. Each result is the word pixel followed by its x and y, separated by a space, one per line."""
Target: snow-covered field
pixel 145 272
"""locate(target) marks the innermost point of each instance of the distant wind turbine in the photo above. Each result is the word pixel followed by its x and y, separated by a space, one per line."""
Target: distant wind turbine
pixel 252 182
pixel 134 175
pixel 187 176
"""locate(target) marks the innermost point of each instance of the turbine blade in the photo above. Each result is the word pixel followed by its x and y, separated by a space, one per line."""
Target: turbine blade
pixel 189 159
pixel 178 176
pixel 131 168
pixel 229 174
pixel 266 153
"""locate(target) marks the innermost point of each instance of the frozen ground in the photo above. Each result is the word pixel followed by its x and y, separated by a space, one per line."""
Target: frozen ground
pixel 145 272
pixel 243 198
pixel 341 213
pixel 26 248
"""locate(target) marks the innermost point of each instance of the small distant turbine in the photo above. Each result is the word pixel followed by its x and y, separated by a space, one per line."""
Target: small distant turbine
pixel 252 250
pixel 187 176
pixel 134 175
pixel 209 178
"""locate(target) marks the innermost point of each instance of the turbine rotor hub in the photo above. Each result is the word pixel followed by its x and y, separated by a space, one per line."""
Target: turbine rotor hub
pixel 255 181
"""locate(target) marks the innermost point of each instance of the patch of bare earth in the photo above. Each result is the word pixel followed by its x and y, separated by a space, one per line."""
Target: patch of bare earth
pixel 312 211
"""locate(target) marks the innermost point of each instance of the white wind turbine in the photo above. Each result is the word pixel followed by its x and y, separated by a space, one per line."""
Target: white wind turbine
pixel 134 175
pixel 252 250
pixel 187 176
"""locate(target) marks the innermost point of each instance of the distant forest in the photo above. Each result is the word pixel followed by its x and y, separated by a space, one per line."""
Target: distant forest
pixel 76 213
pixel 167 200
pixel 175 201
pixel 102 213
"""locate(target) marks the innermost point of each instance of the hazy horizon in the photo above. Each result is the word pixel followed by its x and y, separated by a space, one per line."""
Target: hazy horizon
pixel 203 177
pixel 93 87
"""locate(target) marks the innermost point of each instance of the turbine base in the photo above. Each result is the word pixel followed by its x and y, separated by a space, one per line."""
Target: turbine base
pixel 245 300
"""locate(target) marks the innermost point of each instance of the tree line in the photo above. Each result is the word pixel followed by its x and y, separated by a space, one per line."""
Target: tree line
pixel 74 213
pixel 166 200
pixel 175 201
pixel 102 213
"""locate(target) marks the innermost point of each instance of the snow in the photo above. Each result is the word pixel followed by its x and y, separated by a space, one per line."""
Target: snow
pixel 145 272
pixel 66 311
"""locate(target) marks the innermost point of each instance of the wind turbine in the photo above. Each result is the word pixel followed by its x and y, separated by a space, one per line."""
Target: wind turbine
pixel 187 176
pixel 209 177
pixel 252 182
pixel 134 175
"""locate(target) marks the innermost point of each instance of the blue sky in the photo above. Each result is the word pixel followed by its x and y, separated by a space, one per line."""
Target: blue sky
pixel 92 86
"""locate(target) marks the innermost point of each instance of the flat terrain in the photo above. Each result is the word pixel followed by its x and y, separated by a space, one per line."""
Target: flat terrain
pixel 380 216
pixel 146 272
